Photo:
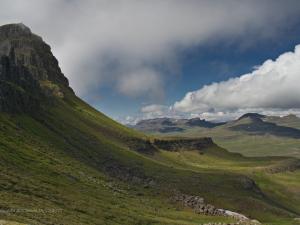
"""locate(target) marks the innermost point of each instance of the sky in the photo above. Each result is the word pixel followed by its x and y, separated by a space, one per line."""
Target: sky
pixel 138 59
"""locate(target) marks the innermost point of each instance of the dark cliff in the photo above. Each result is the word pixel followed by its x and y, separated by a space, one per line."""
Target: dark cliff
pixel 184 144
pixel 29 73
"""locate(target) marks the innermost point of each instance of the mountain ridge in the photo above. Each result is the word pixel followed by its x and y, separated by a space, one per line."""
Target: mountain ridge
pixel 166 125
pixel 251 134
pixel 31 51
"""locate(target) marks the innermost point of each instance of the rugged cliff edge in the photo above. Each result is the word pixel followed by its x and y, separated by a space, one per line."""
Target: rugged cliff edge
pixel 29 73
pixel 199 144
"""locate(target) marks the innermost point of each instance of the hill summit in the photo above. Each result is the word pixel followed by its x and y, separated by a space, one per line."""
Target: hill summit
pixel 29 73
pixel 254 116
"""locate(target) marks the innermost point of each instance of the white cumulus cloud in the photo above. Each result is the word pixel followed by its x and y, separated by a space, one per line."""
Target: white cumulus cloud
pixel 273 85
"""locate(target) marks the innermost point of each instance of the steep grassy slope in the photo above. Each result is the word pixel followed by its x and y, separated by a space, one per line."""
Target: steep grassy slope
pixel 64 163
pixel 65 170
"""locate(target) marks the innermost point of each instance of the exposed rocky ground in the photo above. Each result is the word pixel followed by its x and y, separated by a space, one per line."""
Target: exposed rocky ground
pixel 237 223
pixel 5 222
pixel 131 175
pixel 201 207
pixel 183 144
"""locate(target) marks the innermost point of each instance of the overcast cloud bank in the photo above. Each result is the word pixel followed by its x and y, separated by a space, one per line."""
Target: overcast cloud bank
pixel 133 47
pixel 121 43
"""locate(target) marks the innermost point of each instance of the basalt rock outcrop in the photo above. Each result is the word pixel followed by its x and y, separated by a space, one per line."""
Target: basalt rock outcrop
pixel 184 144
pixel 29 73
pixel 32 52
pixel 236 223
pixel 141 145
pixel 197 204
pixel 201 207
pixel 19 91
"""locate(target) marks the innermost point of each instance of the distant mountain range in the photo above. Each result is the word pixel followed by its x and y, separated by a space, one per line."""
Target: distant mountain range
pixel 259 125
pixel 249 134
pixel 252 123
pixel 168 125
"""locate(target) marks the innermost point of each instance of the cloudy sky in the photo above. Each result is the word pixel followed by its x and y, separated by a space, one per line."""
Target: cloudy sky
pixel 135 59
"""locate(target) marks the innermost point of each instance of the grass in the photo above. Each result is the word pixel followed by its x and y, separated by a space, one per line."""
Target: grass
pixel 66 163
pixel 71 164
pixel 283 189
pixel 263 142
pixel 246 144
pixel 51 170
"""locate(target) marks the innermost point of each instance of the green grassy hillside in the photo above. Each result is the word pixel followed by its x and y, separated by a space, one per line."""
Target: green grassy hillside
pixel 279 184
pixel 249 145
pixel 72 165
pixel 63 162
pixel 73 162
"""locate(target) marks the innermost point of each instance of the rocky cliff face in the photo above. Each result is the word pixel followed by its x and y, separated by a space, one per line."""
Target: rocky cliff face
pixel 29 73
pixel 19 91
pixel 184 144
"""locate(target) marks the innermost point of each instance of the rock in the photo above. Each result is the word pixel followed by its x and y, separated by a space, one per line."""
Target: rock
pixel 236 215
pixel 199 206
pixel 31 52
pixel 255 222
pixel 183 144
pixel 141 145
pixel 196 203
pixel 29 73
pixel 130 175
pixel 249 184
pixel 5 222
pixel 19 91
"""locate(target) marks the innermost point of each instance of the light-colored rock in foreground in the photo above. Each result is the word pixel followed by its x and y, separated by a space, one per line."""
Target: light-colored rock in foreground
pixel 5 222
